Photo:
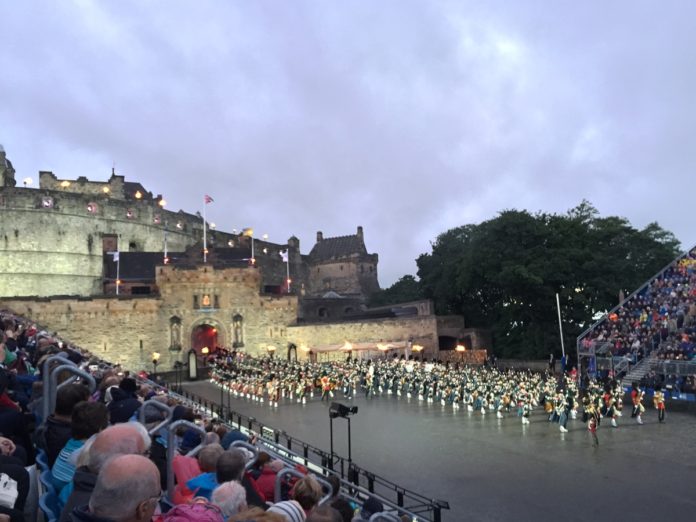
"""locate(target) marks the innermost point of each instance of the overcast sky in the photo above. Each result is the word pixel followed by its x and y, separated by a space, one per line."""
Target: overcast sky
pixel 408 118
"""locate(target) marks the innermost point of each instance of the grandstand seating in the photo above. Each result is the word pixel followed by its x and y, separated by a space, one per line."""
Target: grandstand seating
pixel 47 502
pixel 656 324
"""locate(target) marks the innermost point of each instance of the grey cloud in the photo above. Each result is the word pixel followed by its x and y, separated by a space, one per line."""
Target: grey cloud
pixel 405 117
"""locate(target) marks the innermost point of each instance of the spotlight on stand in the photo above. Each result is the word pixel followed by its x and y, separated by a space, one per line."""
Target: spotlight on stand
pixel 338 410
pixel 341 410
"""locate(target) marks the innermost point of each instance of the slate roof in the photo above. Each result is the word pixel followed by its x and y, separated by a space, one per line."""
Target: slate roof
pixel 131 187
pixel 338 247
pixel 136 266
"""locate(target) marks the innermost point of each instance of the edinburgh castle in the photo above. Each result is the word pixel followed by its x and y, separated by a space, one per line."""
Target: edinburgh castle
pixel 106 265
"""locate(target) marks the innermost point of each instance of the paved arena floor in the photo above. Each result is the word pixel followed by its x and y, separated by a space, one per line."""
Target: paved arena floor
pixel 492 469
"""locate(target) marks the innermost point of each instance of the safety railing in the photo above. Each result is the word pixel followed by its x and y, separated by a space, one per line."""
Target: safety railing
pixel 172 450
pixel 324 462
pixel 50 392
pixel 157 405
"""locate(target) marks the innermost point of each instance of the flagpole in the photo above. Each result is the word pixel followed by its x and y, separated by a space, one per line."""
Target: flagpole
pixel 205 239
pixel 118 271
pixel 560 325
pixel 165 242
pixel 287 266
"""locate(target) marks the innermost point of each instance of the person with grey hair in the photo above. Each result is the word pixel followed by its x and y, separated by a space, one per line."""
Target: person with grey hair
pixel 121 439
pixel 127 490
pixel 231 466
pixel 231 497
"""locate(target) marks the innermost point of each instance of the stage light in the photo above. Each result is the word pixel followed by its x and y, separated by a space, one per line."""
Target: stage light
pixel 341 410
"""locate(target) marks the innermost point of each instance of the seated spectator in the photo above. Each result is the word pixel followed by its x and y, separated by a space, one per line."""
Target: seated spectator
pixel 256 514
pixel 88 418
pixel 231 497
pixel 127 490
pixel 344 508
pixel 231 467
pixel 198 510
pixel 265 470
pixel 57 430
pixel 12 502
pixel 121 439
pixel 290 509
pixel 324 514
pixel 204 484
pixel 307 492
pixel 371 506
pixel 124 401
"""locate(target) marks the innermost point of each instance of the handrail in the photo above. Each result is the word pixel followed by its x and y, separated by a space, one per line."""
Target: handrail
pixel 158 406
pixel 45 374
pixel 249 447
pixel 53 382
pixel 283 475
pixel 354 473
pixel 171 450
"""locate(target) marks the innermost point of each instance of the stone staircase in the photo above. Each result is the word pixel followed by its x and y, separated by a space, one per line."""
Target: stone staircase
pixel 639 370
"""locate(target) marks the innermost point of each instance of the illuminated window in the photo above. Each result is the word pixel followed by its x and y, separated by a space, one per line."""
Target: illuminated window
pixel 92 208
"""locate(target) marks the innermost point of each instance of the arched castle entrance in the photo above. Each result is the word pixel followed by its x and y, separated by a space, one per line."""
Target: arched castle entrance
pixel 207 333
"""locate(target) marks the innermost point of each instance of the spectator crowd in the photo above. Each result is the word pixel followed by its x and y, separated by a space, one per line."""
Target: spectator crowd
pixel 97 462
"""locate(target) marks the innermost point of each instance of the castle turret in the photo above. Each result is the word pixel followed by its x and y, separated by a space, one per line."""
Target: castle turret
pixel 7 172
pixel 342 265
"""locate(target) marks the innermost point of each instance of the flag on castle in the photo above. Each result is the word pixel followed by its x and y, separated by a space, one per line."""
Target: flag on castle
pixel 207 199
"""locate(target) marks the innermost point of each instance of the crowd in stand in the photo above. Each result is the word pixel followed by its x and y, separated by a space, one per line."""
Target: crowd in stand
pixel 661 316
pixel 100 464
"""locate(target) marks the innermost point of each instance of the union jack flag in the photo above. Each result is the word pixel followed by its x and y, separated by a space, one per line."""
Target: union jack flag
pixel 208 199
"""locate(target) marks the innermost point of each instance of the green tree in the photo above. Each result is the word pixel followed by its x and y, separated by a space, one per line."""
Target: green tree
pixel 405 289
pixel 504 273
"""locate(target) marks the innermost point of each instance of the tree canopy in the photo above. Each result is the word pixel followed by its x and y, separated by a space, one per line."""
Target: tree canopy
pixel 503 274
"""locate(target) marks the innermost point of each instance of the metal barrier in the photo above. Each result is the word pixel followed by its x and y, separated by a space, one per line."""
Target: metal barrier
pixel 53 386
pixel 46 408
pixel 282 444
pixel 169 414
pixel 172 448
pixel 284 473
pixel 249 447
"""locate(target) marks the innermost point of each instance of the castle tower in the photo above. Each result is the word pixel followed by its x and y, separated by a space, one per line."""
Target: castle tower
pixel 342 265
pixel 7 172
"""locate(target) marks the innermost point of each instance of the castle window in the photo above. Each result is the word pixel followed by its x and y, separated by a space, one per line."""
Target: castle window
pixel 92 208
pixel 362 269
pixel 216 301
pixel 195 302
pixel 323 312
pixel 371 268
pixel 132 246
pixel 341 267
pixel 348 310
pixel 47 202
pixel 157 219
pixel 237 323
pixel 130 213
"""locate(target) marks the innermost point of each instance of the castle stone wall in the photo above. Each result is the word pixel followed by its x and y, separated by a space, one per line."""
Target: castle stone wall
pixel 58 250
pixel 420 329
pixel 119 330
pixel 355 275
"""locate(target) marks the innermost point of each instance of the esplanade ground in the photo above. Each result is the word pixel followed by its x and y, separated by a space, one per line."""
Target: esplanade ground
pixel 494 470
